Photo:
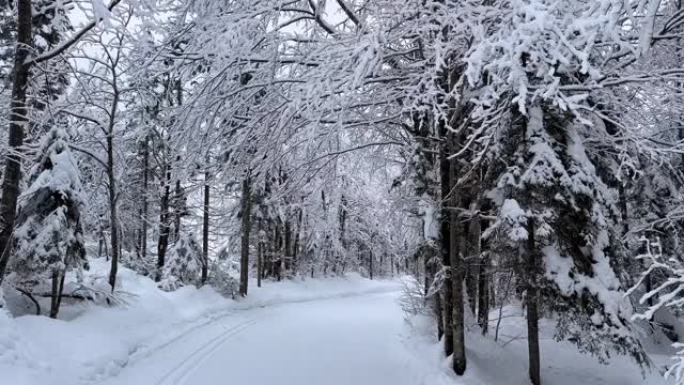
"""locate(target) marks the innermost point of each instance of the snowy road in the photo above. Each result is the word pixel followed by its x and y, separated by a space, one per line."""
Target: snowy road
pixel 344 341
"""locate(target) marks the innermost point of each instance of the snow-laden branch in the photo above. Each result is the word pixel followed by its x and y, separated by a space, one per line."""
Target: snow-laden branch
pixel 67 43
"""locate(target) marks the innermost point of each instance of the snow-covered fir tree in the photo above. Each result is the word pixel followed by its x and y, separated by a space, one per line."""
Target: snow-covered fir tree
pixel 184 263
pixel 48 239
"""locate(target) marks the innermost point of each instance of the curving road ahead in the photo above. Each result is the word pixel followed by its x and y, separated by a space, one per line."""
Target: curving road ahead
pixel 343 341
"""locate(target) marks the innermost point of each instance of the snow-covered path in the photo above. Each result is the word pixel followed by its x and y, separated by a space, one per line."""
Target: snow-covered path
pixel 352 340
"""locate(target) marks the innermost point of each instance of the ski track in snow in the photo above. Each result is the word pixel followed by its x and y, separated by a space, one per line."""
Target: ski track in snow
pixel 190 363
pixel 301 334
pixel 346 339
pixel 150 348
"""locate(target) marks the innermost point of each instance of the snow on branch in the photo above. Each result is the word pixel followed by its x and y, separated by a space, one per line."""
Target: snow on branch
pixel 67 43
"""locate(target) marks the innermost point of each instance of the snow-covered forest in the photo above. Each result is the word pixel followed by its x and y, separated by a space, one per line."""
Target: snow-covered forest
pixel 448 191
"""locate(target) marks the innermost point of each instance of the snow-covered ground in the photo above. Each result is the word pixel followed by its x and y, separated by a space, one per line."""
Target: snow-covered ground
pixel 100 342
pixel 353 340
pixel 504 362
pixel 347 331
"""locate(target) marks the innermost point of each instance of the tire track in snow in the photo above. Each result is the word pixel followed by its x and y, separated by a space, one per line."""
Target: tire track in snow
pixel 191 362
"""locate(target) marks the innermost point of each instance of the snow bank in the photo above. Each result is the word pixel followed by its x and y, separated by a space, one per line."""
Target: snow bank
pixel 100 341
pixel 504 362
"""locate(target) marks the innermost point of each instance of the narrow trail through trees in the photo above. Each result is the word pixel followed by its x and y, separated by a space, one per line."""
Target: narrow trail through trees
pixel 348 340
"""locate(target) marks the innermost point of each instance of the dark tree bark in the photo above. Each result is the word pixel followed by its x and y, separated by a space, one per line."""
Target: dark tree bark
pixel 164 226
pixel 260 253
pixel 54 296
pixel 473 260
pixel 18 122
pixel 269 250
pixel 295 247
pixel 60 294
pixel 277 257
pixel 429 274
pixel 483 294
pixel 435 301
pixel 288 247
pixel 205 230
pixel 246 225
pixel 370 262
pixel 100 245
pixel 143 215
pixel 531 302
pixel 458 268
pixel 113 220
pixel 342 215
pixel 178 203
pixel 445 244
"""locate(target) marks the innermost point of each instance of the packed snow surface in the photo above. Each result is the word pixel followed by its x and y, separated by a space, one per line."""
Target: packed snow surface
pixel 344 331
pixel 97 342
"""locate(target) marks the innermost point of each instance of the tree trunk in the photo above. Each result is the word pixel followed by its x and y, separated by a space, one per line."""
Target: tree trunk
pixel 260 253
pixel 18 121
pixel 61 290
pixel 55 297
pixel 483 295
pixel 445 247
pixel 143 231
pixel 269 250
pixel 177 210
pixel 531 302
pixel 342 215
pixel 458 268
pixel 473 259
pixel 288 246
pixel 370 262
pixel 278 254
pixel 295 247
pixel 100 244
pixel 428 275
pixel 113 220
pixel 205 230
pixel 246 225
pixel 430 272
pixel 391 262
pixel 163 242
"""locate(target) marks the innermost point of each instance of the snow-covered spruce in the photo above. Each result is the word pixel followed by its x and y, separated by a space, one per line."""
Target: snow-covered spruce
pixel 184 263
pixel 48 239
pixel 555 211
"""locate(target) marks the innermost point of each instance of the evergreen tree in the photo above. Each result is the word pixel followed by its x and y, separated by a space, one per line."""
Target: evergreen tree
pixel 556 211
pixel 184 263
pixel 48 239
